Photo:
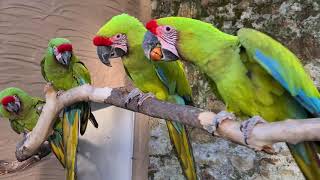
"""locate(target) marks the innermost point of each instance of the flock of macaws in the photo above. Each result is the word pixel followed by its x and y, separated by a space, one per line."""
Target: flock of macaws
pixel 253 74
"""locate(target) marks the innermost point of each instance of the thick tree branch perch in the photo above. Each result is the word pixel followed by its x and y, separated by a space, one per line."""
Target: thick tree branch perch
pixel 263 135
pixel 15 166
pixel 7 167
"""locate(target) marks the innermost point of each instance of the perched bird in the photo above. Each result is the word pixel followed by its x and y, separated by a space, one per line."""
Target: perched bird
pixel 23 112
pixel 254 74
pixel 122 36
pixel 64 71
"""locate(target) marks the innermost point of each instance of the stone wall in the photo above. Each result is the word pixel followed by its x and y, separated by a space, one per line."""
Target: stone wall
pixel 295 23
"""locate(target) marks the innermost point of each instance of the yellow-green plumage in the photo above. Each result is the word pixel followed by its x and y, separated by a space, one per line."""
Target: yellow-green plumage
pixel 64 77
pixel 255 75
pixel 144 76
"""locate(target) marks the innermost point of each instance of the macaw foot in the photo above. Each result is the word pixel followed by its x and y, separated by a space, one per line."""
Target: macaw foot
pixel 144 97
pixel 59 93
pixel 25 134
pixel 141 96
pixel 134 93
pixel 248 125
pixel 44 150
pixel 39 109
pixel 219 118
pixel 47 87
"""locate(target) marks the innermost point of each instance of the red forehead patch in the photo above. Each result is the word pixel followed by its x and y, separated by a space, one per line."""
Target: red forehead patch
pixel 101 41
pixel 6 100
pixel 152 26
pixel 64 47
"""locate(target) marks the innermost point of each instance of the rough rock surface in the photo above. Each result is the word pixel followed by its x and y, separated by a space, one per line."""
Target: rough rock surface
pixel 295 23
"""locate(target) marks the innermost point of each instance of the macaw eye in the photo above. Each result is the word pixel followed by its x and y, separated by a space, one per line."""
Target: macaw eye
pixel 118 36
pixel 168 28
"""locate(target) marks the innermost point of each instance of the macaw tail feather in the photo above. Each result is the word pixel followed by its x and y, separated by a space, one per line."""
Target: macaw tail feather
pixel 93 120
pixel 180 140
pixel 85 116
pixel 70 126
pixel 305 155
pixel 56 144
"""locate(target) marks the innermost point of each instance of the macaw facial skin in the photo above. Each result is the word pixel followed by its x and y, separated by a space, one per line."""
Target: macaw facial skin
pixel 63 54
pixel 160 42
pixel 111 47
pixel 11 104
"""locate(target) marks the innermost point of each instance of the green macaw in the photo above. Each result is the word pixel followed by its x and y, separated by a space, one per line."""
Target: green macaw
pixel 64 71
pixel 122 36
pixel 23 112
pixel 254 74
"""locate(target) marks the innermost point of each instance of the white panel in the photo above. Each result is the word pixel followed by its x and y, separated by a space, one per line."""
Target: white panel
pixel 106 152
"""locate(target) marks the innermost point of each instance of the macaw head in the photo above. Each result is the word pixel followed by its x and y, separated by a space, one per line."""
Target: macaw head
pixel 115 37
pixel 111 47
pixel 61 50
pixel 11 104
pixel 160 42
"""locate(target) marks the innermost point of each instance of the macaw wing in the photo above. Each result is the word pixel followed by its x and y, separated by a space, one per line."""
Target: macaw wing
pixel 42 70
pixel 36 102
pixel 82 76
pixel 127 72
pixel 81 73
pixel 283 66
pixel 56 144
pixel 16 126
pixel 175 79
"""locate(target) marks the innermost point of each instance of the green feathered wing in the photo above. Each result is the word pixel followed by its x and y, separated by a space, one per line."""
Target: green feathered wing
pixel 74 115
pixel 56 143
pixel 173 76
pixel 286 68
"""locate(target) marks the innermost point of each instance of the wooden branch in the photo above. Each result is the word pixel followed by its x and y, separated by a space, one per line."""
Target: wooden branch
pixel 7 167
pixel 15 166
pixel 261 138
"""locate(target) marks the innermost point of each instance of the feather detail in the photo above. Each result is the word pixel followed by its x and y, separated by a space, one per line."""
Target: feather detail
pixel 70 125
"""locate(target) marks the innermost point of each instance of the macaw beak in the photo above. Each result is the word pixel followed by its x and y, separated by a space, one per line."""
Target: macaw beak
pixel 107 52
pixel 154 50
pixel 13 107
pixel 65 58
pixel 104 53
